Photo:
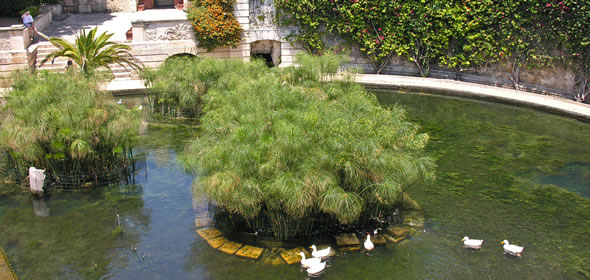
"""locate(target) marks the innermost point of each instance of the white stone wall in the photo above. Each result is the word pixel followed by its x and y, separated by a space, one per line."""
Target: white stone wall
pixel 168 31
pixel 98 6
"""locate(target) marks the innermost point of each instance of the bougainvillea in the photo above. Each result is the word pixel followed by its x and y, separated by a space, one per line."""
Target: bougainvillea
pixel 215 24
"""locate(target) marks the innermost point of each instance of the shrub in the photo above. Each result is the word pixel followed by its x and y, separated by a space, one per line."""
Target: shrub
pixel 215 24
pixel 33 10
pixel 12 8
pixel 63 123
pixel 284 145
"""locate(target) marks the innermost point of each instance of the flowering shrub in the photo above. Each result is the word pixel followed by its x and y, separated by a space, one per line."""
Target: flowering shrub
pixel 215 24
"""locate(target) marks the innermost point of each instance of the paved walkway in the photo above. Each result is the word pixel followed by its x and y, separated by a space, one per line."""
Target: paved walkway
pixel 67 26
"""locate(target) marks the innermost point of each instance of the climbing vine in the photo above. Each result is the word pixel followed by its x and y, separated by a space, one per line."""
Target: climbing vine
pixel 215 24
pixel 456 34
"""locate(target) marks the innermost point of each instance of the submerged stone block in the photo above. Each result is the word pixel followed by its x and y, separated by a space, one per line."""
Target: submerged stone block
pixel 414 218
pixel 379 239
pixel 209 233
pixel 250 252
pixel 347 239
pixel 292 256
pixel 203 222
pixel 272 260
pixel 397 231
pixel 408 203
pixel 349 248
pixel 396 239
pixel 230 247
pixel 217 242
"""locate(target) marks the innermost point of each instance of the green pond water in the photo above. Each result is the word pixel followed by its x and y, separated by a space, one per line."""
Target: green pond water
pixel 503 173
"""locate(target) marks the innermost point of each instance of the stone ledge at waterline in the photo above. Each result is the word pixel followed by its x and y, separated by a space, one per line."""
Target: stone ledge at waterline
pixel 546 103
pixel 412 222
pixel 6 271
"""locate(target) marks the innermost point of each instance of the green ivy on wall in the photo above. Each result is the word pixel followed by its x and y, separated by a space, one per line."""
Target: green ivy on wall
pixel 457 34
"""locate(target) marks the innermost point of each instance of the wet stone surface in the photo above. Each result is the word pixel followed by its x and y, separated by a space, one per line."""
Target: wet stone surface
pixel 397 231
pixel 347 239
pixel 209 233
pixel 230 247
pixel 379 239
pixel 250 252
pixel 217 242
pixel 292 256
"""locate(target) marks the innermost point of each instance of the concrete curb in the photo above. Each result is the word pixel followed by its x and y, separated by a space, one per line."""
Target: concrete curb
pixel 546 103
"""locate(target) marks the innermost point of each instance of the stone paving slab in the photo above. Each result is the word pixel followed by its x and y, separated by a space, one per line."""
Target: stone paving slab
pixel 217 242
pixel 209 233
pixel 67 26
pixel 230 247
pixel 292 256
pixel 250 252
pixel 379 239
pixel 347 239
pixel 396 239
pixel 397 231
pixel 203 222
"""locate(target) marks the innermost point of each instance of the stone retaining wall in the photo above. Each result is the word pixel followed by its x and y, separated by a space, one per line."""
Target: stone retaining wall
pixel 98 6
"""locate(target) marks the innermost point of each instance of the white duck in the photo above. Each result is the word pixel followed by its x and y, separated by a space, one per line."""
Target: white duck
pixel 120 102
pixel 324 253
pixel 316 268
pixel 471 243
pixel 368 244
pixel 309 262
pixel 512 249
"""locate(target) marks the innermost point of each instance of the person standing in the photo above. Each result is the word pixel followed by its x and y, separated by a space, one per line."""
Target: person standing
pixel 29 22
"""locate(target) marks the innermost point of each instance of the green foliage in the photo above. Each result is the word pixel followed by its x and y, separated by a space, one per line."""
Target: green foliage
pixel 12 8
pixel 215 24
pixel 282 141
pixel 63 123
pixel 91 52
pixel 33 10
pixel 179 85
pixel 454 34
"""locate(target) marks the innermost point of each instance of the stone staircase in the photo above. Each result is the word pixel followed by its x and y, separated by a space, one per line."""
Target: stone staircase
pixel 59 64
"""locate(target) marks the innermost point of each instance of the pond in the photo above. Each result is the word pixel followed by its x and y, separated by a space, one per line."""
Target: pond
pixel 503 173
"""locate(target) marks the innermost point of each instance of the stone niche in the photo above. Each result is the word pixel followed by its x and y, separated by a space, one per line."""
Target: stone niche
pixel 267 48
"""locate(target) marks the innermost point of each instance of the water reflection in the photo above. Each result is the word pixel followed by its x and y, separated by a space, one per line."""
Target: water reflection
pixel 40 207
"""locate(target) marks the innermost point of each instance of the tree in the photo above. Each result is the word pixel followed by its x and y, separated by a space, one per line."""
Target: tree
pixel 90 52
pixel 283 145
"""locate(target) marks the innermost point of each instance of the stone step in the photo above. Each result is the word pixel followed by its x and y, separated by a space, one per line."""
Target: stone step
pixel 6 271
pixel 250 252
